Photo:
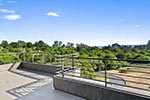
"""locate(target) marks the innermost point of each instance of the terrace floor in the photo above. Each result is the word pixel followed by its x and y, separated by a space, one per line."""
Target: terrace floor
pixel 30 85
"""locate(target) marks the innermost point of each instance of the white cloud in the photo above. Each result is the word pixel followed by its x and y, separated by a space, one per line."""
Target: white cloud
pixel 122 20
pixel 0 2
pixel 12 17
pixel 10 14
pixel 11 1
pixel 52 14
pixel 7 11
pixel 137 26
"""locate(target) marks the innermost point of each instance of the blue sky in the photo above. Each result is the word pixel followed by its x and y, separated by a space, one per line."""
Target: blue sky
pixel 93 22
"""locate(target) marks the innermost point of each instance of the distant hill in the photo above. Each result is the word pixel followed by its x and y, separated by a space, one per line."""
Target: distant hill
pixel 100 47
pixel 133 45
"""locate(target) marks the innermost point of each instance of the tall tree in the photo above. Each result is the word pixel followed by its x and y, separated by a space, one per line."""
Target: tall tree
pixel 29 45
pixel 22 43
pixel 70 45
pixel 4 44
pixel 148 44
pixel 40 45
pixel 14 44
pixel 57 44
pixel 116 45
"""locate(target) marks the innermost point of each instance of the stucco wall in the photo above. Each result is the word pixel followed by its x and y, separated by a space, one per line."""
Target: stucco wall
pixel 39 67
pixel 94 92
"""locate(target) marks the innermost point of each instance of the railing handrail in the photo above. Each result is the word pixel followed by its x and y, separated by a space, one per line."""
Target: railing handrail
pixel 130 62
pixel 103 59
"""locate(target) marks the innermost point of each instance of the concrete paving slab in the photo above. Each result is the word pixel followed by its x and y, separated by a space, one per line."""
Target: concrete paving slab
pixel 30 85
pixel 47 92
pixel 8 81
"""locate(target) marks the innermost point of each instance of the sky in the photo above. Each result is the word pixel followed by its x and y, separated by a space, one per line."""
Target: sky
pixel 92 22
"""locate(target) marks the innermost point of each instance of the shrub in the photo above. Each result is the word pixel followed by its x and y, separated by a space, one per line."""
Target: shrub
pixel 123 70
pixel 87 71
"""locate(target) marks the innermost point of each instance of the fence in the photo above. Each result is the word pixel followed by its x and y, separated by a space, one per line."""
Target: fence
pixel 126 74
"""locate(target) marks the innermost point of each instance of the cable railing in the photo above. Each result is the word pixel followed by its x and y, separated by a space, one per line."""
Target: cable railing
pixel 126 74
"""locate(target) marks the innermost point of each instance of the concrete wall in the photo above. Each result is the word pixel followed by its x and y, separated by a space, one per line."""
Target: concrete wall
pixel 92 91
pixel 9 67
pixel 14 66
pixel 5 67
pixel 39 67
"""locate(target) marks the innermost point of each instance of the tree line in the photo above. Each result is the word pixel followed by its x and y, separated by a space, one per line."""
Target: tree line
pixel 23 51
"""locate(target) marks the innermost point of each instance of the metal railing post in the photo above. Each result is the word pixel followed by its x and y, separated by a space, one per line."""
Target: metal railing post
pixel 105 73
pixel 62 66
pixel 112 78
pixel 33 58
pixel 43 59
pixel 55 60
pixel 72 62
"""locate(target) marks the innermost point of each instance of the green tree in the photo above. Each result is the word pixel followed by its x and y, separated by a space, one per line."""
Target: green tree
pixel 40 45
pixel 22 43
pixel 14 44
pixel 70 45
pixel 87 71
pixel 4 44
pixel 116 45
pixel 57 44
pixel 29 45
pixel 121 55
pixel 148 44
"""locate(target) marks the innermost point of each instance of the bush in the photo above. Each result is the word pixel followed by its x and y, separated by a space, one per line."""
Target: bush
pixel 123 70
pixel 87 71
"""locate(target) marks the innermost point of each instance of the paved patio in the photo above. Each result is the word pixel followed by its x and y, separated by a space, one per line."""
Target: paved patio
pixel 47 92
pixel 30 85
pixel 8 81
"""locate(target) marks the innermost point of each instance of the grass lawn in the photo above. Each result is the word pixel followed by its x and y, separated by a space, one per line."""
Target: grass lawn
pixel 139 69
pixel 135 72
pixel 99 78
